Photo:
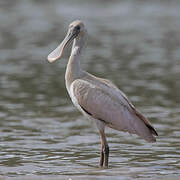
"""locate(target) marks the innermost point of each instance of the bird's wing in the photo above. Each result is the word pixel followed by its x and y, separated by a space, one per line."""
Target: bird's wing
pixel 112 107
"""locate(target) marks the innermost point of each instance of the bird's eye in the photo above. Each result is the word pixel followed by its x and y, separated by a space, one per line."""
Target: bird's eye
pixel 78 27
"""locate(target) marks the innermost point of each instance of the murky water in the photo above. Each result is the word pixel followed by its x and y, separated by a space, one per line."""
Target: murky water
pixel 134 43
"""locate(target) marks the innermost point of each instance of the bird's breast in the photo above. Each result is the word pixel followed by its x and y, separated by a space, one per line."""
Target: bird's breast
pixel 75 101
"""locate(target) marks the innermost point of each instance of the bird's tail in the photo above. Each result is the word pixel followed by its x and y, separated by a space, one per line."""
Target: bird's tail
pixel 149 126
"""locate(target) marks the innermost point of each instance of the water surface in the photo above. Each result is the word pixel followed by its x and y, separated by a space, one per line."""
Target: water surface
pixel 136 44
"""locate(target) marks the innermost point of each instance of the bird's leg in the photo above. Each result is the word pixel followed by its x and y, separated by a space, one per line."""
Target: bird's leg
pixel 106 155
pixel 101 162
pixel 104 150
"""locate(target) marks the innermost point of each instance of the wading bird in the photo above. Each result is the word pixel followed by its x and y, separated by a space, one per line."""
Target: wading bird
pixel 99 99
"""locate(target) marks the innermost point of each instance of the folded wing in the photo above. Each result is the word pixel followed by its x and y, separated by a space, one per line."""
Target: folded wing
pixel 110 105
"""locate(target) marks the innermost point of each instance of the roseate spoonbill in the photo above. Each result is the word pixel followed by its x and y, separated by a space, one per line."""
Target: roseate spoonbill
pixel 97 98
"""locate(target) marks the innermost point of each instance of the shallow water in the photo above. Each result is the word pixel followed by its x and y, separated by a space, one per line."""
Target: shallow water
pixel 136 44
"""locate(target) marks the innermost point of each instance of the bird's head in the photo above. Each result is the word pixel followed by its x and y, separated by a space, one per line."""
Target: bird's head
pixel 76 30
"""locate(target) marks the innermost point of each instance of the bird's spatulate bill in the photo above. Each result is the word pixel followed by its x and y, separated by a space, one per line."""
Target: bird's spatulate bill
pixel 57 53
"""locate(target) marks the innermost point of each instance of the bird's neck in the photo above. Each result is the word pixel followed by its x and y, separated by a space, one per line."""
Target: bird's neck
pixel 73 70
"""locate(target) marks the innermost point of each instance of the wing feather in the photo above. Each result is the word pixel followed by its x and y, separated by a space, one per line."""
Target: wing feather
pixel 109 104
